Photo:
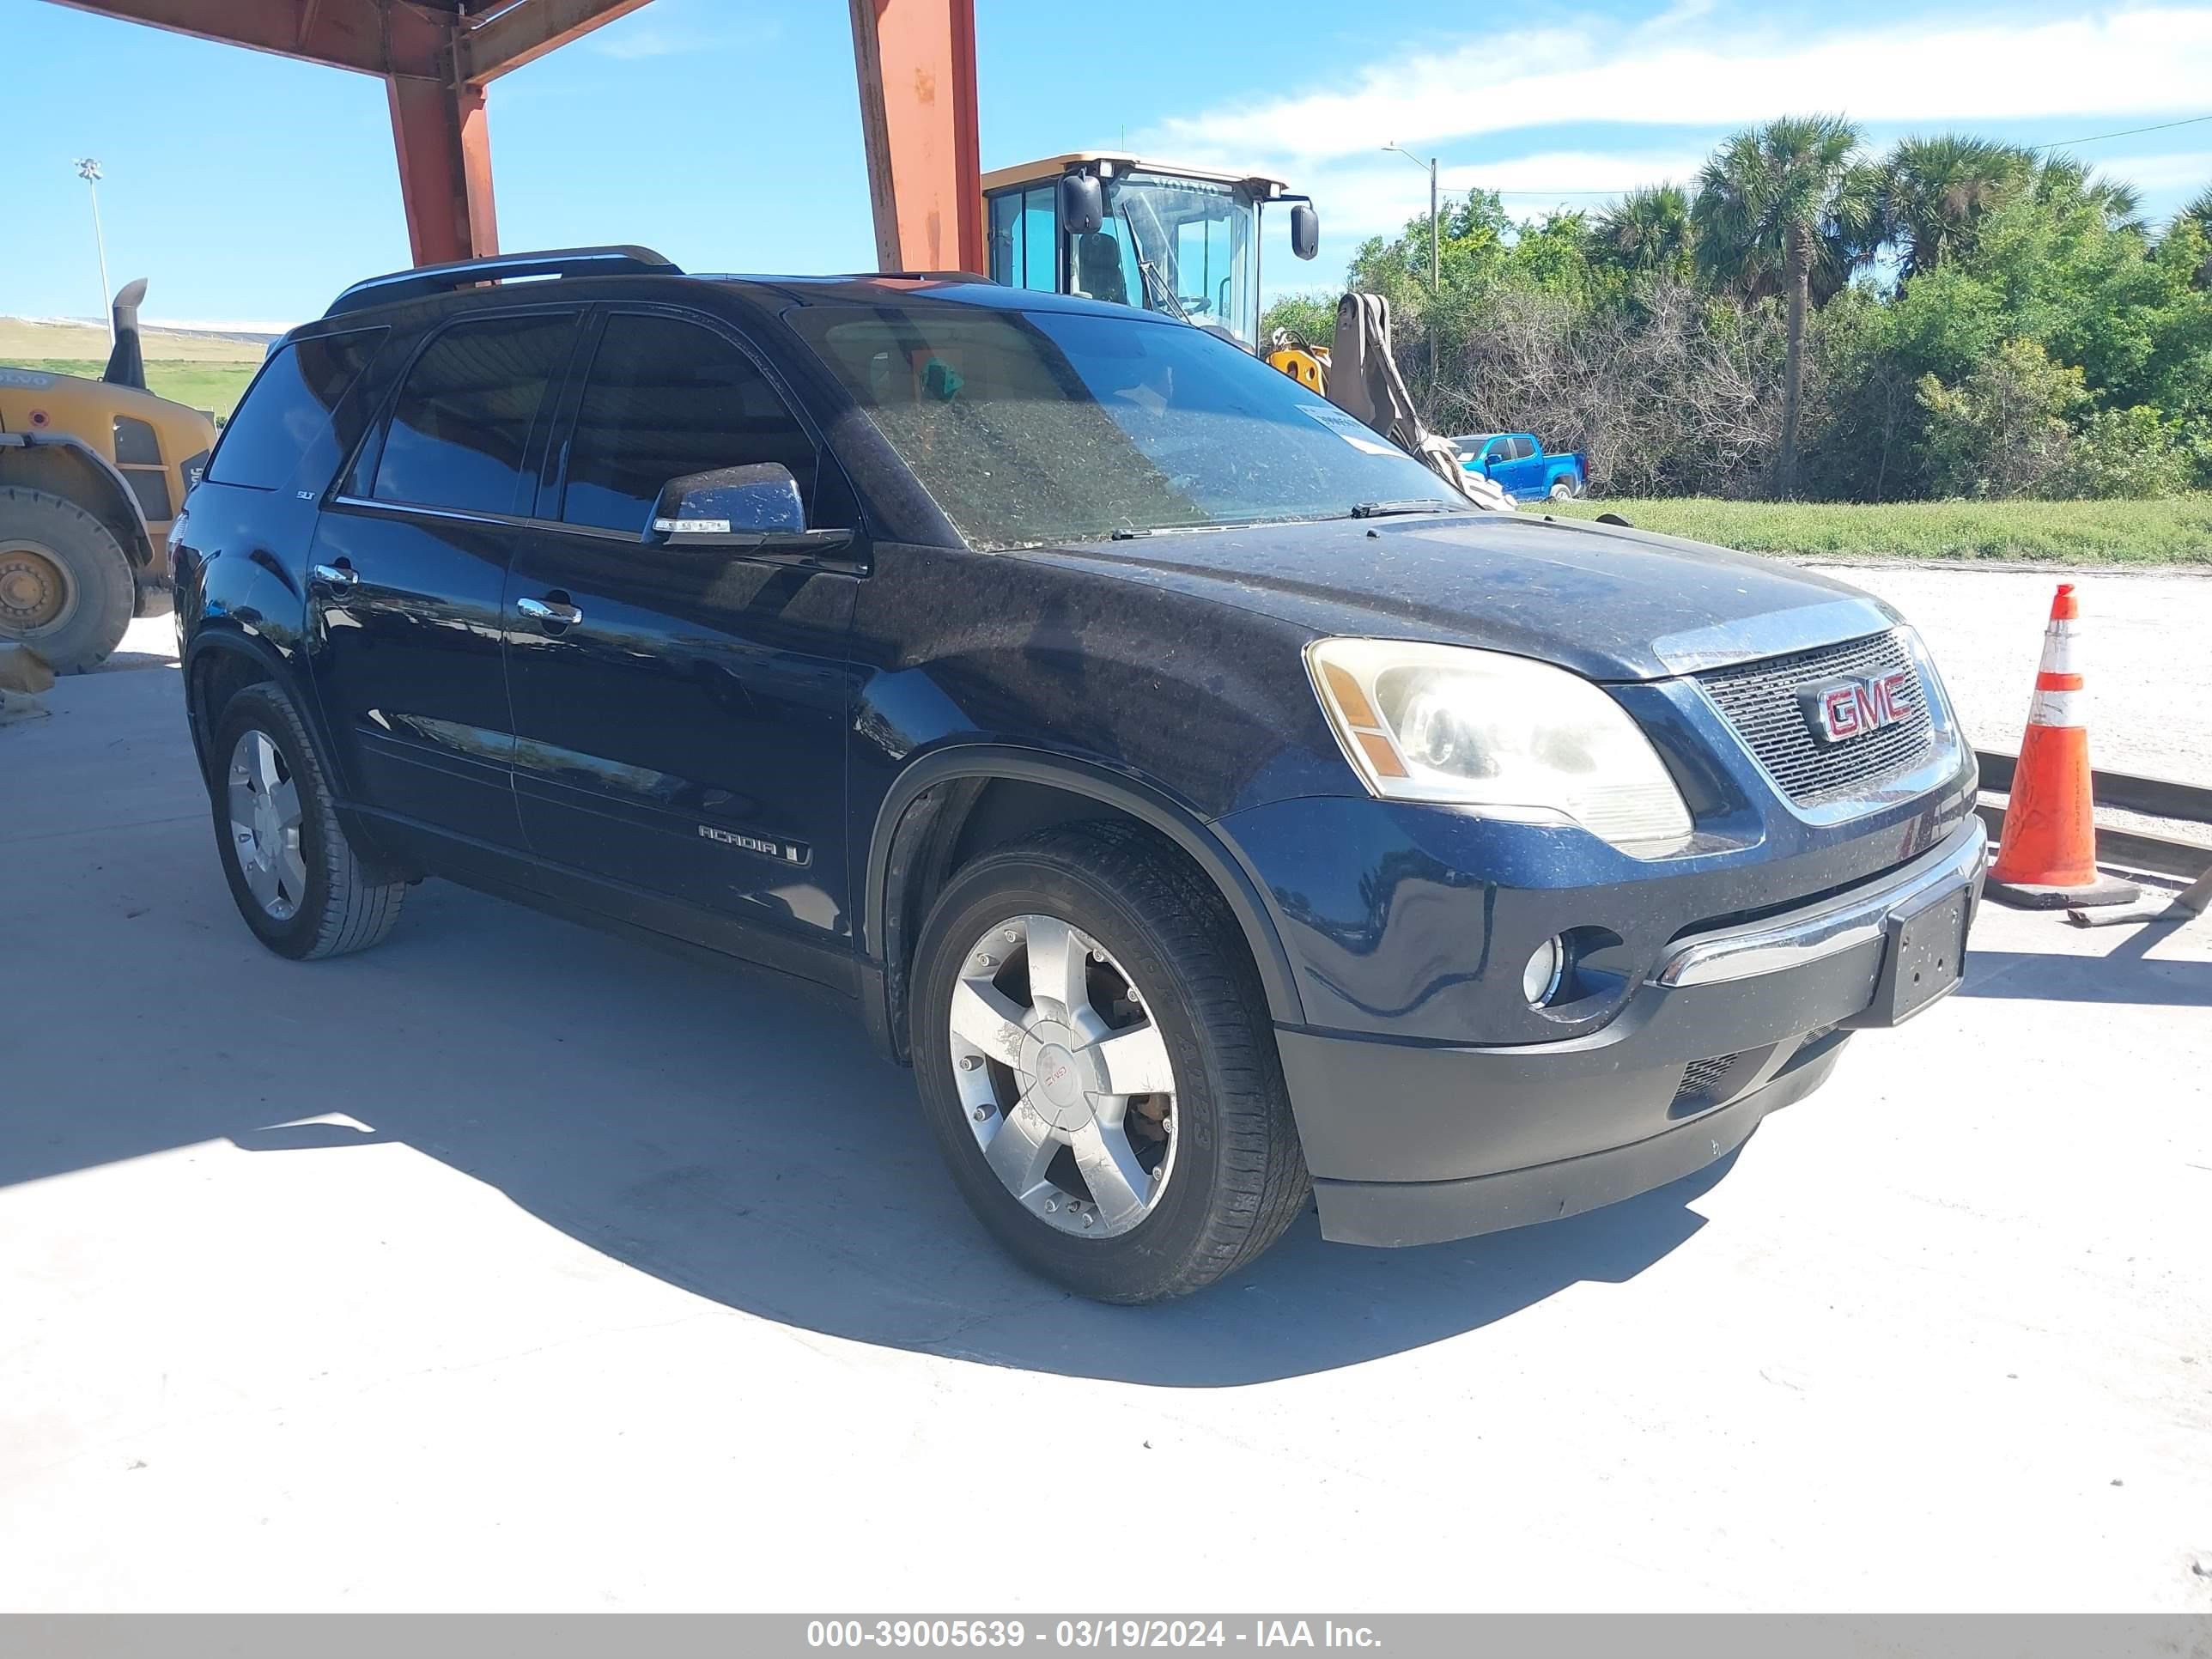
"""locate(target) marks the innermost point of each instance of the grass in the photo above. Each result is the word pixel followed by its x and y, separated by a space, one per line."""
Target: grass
pixel 214 386
pixel 2175 531
pixel 23 339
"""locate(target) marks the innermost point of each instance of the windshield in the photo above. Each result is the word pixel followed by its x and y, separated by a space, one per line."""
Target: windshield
pixel 1030 427
pixel 1180 246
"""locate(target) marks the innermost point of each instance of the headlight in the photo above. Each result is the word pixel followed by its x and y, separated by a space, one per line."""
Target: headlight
pixel 1518 739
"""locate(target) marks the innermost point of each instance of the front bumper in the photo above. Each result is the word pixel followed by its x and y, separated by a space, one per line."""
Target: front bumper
pixel 1412 1143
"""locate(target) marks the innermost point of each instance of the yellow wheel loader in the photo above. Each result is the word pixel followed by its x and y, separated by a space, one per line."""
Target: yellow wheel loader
pixel 92 473
pixel 1180 240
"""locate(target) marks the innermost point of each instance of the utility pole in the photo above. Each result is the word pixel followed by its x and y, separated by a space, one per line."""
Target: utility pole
pixel 88 170
pixel 1435 255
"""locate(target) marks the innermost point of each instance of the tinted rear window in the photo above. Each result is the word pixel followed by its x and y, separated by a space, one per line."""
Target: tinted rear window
pixel 461 430
pixel 285 427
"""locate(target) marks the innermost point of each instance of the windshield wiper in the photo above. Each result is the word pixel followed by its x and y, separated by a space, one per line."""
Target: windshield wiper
pixel 1391 509
pixel 1130 533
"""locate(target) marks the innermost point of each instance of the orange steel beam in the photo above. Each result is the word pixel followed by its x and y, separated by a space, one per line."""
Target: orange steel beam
pixel 916 58
pixel 439 130
pixel 375 39
pixel 497 41
pixel 916 62
pixel 444 145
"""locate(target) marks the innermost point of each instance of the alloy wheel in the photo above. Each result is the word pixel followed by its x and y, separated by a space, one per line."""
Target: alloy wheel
pixel 1064 1077
pixel 264 825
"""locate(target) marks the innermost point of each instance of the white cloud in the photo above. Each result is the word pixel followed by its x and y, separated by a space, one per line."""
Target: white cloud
pixel 1680 69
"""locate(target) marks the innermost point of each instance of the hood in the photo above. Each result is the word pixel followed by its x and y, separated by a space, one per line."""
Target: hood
pixel 1607 602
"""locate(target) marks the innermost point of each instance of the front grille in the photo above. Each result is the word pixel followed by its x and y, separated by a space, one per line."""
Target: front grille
pixel 1761 701
pixel 1701 1079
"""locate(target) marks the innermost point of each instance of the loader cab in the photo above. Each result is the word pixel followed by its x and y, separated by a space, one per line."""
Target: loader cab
pixel 1181 241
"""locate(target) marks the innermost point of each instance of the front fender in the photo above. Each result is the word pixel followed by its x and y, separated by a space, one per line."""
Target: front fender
pixel 1213 853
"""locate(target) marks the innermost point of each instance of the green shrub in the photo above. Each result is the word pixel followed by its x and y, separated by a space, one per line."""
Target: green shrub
pixel 2127 453
pixel 2004 430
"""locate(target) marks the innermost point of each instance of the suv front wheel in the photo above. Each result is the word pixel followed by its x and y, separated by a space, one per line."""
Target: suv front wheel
pixel 1096 1061
pixel 297 880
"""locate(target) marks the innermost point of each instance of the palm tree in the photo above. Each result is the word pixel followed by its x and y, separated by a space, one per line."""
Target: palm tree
pixel 1935 191
pixel 2062 182
pixel 2199 213
pixel 1647 231
pixel 1774 203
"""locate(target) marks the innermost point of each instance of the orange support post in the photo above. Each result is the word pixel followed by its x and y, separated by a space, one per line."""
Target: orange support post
pixel 444 144
pixel 916 61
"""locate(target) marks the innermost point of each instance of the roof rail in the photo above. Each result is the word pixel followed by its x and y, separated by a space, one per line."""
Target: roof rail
pixel 929 276
pixel 426 280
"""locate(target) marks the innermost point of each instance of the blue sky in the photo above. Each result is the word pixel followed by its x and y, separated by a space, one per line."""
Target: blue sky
pixel 251 188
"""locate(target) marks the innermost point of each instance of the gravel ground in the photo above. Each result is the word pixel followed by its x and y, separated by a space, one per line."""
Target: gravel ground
pixel 2149 650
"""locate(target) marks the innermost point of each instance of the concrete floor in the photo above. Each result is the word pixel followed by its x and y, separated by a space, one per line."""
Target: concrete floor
pixel 513 1267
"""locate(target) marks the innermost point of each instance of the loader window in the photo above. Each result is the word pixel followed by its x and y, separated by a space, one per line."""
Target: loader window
pixel 1187 245
pixel 285 426
pixel 1023 223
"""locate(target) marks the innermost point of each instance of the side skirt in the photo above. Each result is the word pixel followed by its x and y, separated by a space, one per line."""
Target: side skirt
pixel 614 907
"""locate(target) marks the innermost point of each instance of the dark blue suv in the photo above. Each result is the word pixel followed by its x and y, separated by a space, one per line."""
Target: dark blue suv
pixel 1212 805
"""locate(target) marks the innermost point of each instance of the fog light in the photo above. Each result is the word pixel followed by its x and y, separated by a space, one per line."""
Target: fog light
pixel 1540 980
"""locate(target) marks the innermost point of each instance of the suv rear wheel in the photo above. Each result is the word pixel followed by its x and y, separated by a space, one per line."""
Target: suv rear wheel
pixel 1094 1061
pixel 296 879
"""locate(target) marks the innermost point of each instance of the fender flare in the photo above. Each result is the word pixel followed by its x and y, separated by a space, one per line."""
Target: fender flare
pixel 234 640
pixel 1234 878
pixel 284 671
pixel 139 547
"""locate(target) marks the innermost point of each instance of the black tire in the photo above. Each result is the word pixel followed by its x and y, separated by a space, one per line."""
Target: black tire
pixel 1563 490
pixel 1241 1176
pixel 349 905
pixel 89 559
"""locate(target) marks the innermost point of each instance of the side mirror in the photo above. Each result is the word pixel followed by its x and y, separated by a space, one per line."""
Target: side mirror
pixel 1082 205
pixel 1305 230
pixel 756 506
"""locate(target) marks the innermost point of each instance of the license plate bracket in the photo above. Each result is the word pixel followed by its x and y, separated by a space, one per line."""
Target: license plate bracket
pixel 1923 955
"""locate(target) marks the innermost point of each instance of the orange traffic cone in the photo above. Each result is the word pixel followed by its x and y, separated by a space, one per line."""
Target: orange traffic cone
pixel 2047 857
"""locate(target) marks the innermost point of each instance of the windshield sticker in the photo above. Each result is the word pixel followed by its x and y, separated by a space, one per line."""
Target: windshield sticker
pixel 1359 436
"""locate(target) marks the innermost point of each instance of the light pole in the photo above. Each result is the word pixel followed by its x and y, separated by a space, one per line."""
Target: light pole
pixel 1431 164
pixel 88 170
pixel 1435 260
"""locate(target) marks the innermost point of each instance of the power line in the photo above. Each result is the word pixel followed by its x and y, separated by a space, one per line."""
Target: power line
pixel 2062 143
pixel 2098 138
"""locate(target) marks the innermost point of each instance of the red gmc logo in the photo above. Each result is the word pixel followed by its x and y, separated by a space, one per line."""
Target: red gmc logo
pixel 1839 710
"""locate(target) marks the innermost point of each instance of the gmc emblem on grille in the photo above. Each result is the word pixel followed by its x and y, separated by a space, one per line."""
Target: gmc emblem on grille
pixel 1839 710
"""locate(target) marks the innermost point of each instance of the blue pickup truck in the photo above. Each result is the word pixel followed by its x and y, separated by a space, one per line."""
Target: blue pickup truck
pixel 1516 463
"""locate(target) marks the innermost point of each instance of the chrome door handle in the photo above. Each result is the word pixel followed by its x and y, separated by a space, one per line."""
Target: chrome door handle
pixel 550 610
pixel 333 575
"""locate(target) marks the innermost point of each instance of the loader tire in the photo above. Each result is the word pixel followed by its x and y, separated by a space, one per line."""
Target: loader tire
pixel 66 590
